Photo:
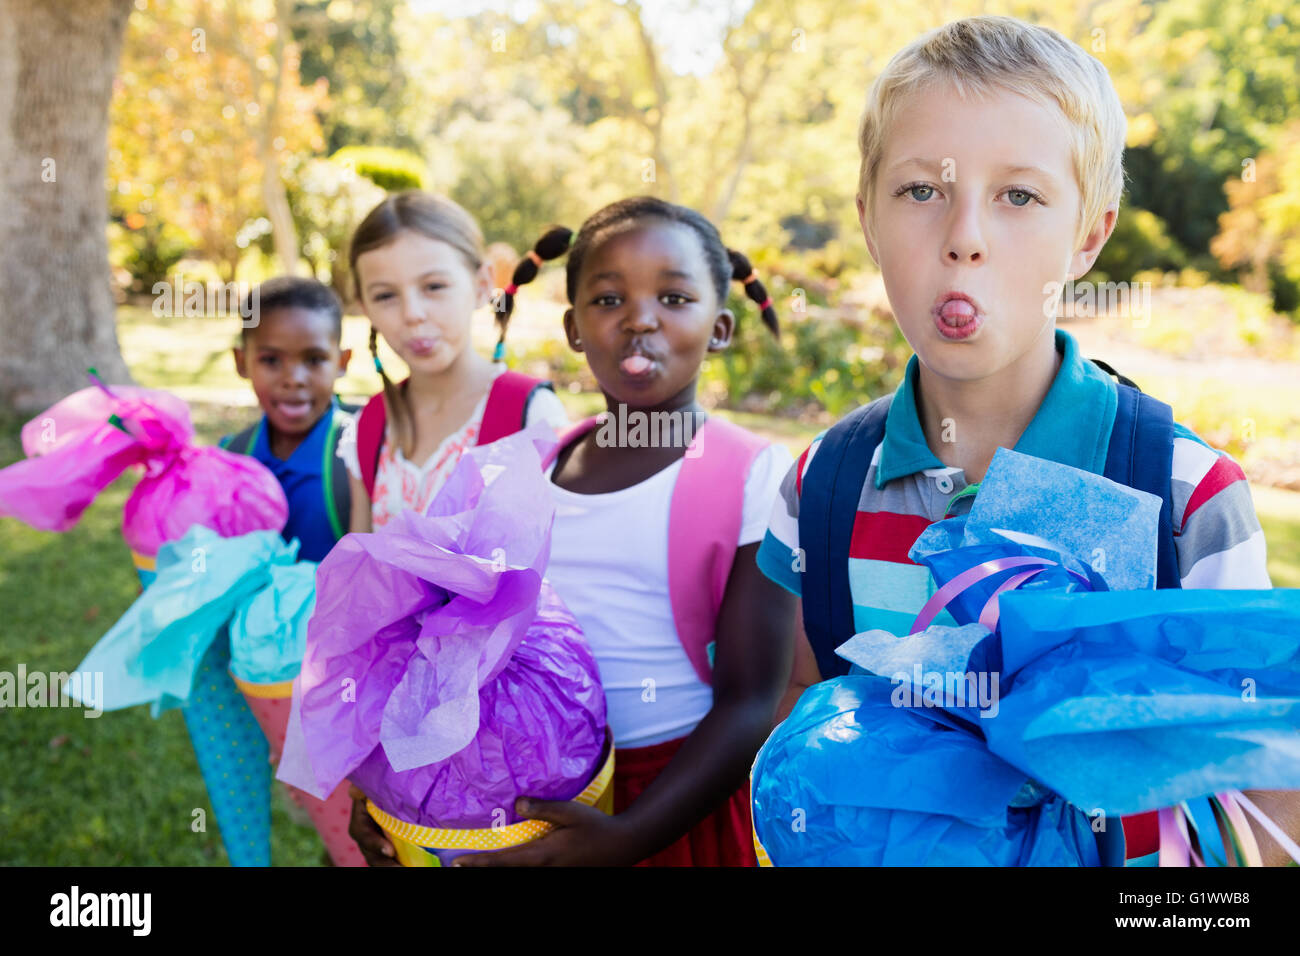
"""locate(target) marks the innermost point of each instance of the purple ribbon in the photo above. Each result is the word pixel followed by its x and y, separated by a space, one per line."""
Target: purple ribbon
pixel 972 576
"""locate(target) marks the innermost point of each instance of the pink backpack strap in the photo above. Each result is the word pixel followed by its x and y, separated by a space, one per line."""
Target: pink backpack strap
pixel 507 404
pixel 569 437
pixel 370 439
pixel 504 415
pixel 703 528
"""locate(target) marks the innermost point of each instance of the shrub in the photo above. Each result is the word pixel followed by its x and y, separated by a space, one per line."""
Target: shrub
pixel 826 364
pixel 148 252
pixel 1140 241
pixel 391 169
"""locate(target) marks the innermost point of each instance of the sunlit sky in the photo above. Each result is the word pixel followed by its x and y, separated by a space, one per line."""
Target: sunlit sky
pixel 689 34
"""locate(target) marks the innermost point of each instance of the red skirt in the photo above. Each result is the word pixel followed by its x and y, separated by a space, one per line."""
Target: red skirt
pixel 723 838
pixel 1141 834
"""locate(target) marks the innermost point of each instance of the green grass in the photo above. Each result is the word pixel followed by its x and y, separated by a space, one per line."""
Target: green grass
pixel 1279 515
pixel 192 357
pixel 119 789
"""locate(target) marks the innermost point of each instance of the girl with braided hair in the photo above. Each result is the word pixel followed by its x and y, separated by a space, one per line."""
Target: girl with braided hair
pixel 653 548
pixel 417 263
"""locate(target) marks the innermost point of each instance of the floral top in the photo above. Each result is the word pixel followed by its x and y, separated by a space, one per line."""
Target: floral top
pixel 401 484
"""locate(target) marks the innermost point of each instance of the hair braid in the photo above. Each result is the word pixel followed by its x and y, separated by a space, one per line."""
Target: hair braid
pixel 403 433
pixel 742 271
pixel 553 244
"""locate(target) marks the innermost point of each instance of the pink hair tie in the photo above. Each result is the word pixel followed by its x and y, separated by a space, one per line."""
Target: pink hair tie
pixel 766 302
pixel 511 289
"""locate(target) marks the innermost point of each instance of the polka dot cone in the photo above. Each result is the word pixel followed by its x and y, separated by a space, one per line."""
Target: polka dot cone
pixel 331 816
pixel 232 755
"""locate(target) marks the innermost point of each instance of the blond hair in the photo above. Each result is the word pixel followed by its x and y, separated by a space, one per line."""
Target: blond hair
pixel 989 54
pixel 435 217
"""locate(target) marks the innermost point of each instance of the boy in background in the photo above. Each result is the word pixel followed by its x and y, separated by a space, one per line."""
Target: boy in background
pixel 291 354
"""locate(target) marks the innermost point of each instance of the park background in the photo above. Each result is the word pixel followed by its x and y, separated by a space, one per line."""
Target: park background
pixel 196 142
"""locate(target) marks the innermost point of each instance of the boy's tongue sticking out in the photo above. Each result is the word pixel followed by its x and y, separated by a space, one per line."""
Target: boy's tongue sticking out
pixel 957 317
pixel 293 410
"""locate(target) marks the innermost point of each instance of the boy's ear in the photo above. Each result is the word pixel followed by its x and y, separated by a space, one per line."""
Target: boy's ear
pixel 240 365
pixel 571 331
pixel 1093 243
pixel 866 233
pixel 723 328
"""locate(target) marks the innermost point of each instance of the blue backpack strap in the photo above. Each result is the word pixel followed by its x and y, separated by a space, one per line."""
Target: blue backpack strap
pixel 828 507
pixel 1141 456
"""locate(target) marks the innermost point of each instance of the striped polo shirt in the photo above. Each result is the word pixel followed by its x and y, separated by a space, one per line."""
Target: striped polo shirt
pixel 1217 535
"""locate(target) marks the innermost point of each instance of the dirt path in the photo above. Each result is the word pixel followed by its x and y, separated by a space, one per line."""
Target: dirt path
pixel 1097 340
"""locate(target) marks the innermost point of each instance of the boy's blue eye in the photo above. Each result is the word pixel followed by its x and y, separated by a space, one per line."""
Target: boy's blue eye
pixel 914 187
pixel 1029 196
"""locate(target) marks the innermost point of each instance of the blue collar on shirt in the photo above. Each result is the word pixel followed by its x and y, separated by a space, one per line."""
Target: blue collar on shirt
pixel 1072 426
pixel 307 457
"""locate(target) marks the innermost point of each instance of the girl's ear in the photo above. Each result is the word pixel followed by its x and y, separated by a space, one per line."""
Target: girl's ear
pixel 240 366
pixel 723 328
pixel 483 285
pixel 571 331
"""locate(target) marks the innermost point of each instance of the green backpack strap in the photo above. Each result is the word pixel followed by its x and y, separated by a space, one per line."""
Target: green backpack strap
pixel 241 443
pixel 334 474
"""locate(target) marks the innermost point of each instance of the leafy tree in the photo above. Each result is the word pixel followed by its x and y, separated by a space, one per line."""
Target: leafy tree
pixel 1260 232
pixel 1218 81
pixel 207 108
pixel 354 48
pixel 328 200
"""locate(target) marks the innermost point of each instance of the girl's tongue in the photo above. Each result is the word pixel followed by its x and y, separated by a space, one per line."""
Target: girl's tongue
pixel 635 364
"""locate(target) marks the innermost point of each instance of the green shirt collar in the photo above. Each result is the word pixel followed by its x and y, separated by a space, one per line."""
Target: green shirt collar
pixel 1072 426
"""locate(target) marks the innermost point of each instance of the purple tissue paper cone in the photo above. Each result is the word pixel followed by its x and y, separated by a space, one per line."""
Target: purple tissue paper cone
pixel 442 675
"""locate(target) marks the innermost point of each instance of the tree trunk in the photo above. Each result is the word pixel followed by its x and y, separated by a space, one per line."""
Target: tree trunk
pixel 283 234
pixel 274 195
pixel 57 62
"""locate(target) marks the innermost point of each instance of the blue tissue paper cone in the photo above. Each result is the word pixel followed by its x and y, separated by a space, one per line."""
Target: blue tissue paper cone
pixel 937 648
pixel 953 668
pixel 1129 701
pixel 1109 525
pixel 153 652
pixel 268 634
pixel 1025 505
pixel 850 779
